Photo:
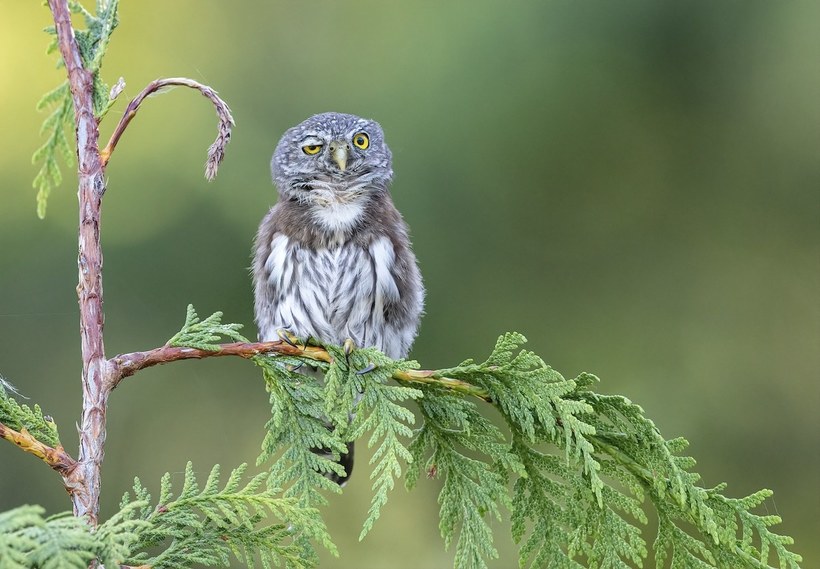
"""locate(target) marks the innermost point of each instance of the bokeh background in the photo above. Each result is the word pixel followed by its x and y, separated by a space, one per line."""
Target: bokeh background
pixel 633 185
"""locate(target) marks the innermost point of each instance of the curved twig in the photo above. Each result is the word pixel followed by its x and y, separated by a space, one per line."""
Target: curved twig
pixel 216 152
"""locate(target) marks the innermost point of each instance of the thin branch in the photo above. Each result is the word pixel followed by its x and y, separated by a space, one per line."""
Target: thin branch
pixel 84 481
pixel 125 365
pixel 216 152
pixel 57 458
pixel 433 377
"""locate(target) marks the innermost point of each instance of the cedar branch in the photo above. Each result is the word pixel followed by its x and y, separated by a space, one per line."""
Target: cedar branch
pixel 57 458
pixel 125 365
pixel 84 480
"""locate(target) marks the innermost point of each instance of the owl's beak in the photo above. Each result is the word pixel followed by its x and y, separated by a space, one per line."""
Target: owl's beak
pixel 338 153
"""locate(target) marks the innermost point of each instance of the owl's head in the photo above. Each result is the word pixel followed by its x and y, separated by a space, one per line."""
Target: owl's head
pixel 330 157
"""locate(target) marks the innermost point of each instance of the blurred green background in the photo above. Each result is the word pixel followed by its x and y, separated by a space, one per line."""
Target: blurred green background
pixel 633 185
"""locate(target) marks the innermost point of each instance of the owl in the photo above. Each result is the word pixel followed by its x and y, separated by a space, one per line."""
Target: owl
pixel 332 259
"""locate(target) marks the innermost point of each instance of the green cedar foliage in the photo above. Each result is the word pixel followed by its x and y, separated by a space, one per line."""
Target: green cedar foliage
pixel 27 539
pixel 200 527
pixel 574 467
pixel 92 43
pixel 205 526
pixel 205 334
pixel 364 388
pixel 22 417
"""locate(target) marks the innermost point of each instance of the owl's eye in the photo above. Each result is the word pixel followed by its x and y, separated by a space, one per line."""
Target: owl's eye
pixel 361 140
pixel 312 149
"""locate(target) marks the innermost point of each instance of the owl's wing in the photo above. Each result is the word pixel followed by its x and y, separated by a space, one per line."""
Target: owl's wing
pixel 267 290
pixel 402 310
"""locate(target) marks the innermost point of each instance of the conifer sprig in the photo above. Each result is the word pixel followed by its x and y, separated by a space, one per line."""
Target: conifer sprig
pixel 378 412
pixel 450 445
pixel 21 417
pixel 207 525
pixel 582 463
pixel 54 128
pixel 203 526
pixel 92 43
pixel 29 540
pixel 296 426
pixel 205 334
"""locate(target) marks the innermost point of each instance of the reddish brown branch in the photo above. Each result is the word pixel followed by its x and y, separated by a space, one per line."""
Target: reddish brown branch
pixel 125 365
pixel 57 458
pixel 216 152
pixel 84 481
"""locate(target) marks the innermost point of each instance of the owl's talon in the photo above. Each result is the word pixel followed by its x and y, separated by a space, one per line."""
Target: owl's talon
pixel 348 347
pixel 366 369
pixel 285 336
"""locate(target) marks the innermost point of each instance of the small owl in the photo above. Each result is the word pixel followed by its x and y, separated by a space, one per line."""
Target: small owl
pixel 332 258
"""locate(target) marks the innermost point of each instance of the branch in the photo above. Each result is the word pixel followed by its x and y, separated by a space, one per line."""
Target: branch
pixel 85 479
pixel 57 458
pixel 98 376
pixel 125 365
pixel 433 377
pixel 216 152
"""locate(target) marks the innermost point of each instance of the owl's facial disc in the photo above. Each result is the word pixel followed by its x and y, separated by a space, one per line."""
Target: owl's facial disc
pixel 332 158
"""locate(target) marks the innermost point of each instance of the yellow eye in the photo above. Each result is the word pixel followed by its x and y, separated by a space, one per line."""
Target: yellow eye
pixel 361 141
pixel 312 149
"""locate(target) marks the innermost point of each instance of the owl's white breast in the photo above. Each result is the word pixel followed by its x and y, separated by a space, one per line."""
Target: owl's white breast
pixel 333 293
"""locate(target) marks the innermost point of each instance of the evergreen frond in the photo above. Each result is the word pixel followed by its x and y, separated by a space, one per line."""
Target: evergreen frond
pixel 533 398
pixel 205 334
pixel 473 489
pixel 22 417
pixel 54 127
pixel 582 463
pixel 92 43
pixel 64 541
pixel 28 541
pixel 296 426
pixel 587 509
pixel 574 467
pixel 379 413
pixel 119 534
pixel 16 541
pixel 543 499
pixel 209 524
